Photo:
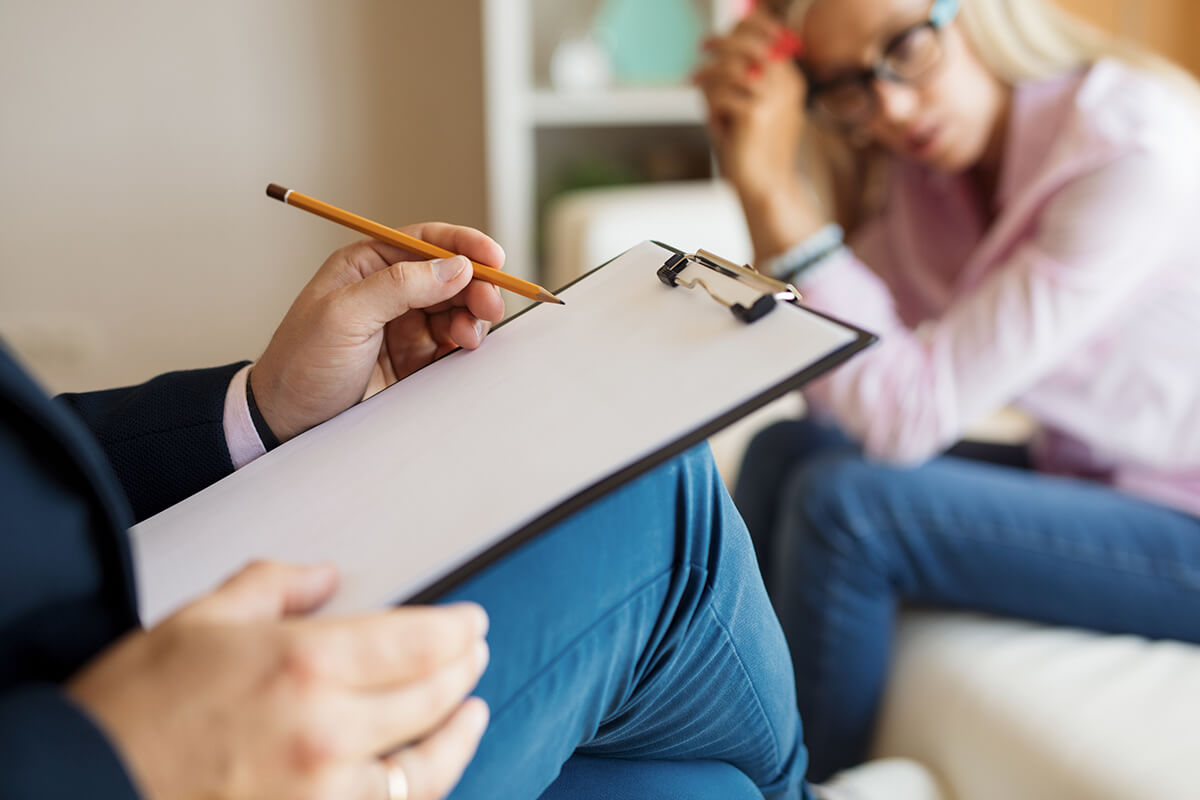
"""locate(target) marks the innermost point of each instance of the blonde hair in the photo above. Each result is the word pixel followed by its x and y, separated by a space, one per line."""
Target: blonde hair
pixel 1018 40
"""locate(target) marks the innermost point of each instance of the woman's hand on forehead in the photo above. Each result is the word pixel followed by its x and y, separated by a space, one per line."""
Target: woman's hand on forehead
pixel 850 35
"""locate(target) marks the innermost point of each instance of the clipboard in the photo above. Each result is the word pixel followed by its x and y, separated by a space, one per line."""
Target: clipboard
pixel 413 491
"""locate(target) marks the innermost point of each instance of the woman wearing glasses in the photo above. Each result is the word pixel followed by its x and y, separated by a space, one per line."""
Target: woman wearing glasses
pixel 1018 195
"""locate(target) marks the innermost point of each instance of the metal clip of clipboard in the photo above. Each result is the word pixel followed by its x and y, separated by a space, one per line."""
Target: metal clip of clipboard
pixel 771 291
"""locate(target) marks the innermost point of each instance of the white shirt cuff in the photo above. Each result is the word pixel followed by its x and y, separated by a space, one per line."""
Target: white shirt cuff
pixel 240 436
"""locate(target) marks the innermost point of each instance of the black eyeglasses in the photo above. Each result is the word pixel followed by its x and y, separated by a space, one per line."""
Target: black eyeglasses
pixel 910 56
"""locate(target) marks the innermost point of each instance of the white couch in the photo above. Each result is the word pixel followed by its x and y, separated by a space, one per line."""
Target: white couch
pixel 996 708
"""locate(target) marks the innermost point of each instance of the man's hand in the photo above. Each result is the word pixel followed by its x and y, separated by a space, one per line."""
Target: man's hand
pixel 237 697
pixel 370 316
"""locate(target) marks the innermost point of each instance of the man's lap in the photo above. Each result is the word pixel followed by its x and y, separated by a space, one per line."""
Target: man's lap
pixel 595 622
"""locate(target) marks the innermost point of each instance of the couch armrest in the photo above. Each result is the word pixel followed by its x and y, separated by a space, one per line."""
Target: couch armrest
pixel 588 227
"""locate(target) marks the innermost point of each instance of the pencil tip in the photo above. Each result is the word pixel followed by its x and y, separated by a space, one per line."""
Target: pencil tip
pixel 545 297
pixel 277 192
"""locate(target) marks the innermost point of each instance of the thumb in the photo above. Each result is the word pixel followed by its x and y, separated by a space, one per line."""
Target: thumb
pixel 265 590
pixel 384 295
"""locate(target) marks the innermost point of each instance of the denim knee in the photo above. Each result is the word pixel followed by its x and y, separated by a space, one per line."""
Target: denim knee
pixel 772 455
pixel 779 447
pixel 830 502
pixel 694 515
pixel 698 464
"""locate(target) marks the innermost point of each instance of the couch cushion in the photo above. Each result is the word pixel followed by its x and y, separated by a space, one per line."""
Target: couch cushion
pixel 1006 709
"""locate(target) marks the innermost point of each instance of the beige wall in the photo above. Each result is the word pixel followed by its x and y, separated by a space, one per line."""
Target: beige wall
pixel 1168 26
pixel 136 139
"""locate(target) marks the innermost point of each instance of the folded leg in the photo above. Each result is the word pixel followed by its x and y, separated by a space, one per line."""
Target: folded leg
pixel 637 629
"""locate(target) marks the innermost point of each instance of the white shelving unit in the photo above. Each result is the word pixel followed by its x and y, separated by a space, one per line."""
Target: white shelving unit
pixel 530 126
pixel 634 106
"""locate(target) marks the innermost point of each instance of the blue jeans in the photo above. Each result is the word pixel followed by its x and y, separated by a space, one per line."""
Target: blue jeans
pixel 842 541
pixel 638 629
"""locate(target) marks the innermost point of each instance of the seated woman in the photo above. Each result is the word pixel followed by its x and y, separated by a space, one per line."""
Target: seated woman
pixel 1020 195
pixel 637 629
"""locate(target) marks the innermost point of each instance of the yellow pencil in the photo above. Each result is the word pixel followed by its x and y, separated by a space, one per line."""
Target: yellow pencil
pixel 392 236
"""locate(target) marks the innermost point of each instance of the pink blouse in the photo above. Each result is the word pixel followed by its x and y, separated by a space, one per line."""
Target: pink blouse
pixel 1079 304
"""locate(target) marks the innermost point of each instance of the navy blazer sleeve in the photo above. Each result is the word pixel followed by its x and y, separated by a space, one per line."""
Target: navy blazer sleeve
pixel 165 439
pixel 53 749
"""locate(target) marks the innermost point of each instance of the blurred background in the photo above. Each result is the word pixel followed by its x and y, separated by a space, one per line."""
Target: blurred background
pixel 137 137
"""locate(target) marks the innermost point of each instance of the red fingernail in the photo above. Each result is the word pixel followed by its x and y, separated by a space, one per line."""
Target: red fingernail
pixel 788 43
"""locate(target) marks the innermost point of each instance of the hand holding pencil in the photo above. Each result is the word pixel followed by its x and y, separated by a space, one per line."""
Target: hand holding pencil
pixel 371 315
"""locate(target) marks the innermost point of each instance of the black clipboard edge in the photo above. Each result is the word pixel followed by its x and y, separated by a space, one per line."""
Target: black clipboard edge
pixel 577 502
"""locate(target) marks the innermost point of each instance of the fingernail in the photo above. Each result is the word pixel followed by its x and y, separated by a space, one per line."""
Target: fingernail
pixel 447 269
pixel 480 329
pixel 321 576
pixel 481 655
pixel 478 714
pixel 479 618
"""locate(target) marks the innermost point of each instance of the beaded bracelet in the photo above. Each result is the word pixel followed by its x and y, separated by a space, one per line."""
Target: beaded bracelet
pixel 789 266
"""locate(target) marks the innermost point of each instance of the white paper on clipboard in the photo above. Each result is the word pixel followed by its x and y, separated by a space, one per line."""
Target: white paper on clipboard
pixel 426 478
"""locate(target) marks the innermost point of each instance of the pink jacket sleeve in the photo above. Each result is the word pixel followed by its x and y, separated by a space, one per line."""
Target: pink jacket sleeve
pixel 915 392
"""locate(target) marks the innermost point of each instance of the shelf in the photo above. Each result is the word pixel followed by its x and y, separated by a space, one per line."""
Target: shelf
pixel 535 132
pixel 674 105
